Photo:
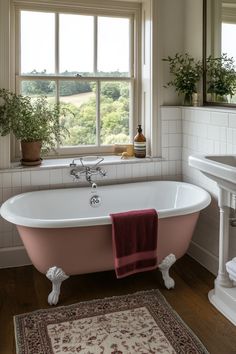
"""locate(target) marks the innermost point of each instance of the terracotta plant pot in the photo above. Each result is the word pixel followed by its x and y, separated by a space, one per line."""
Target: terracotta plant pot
pixel 31 151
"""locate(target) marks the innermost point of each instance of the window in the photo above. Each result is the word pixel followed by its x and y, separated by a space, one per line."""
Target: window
pixel 228 31
pixel 87 60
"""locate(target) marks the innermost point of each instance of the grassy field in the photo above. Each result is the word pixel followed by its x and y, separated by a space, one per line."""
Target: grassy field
pixel 77 99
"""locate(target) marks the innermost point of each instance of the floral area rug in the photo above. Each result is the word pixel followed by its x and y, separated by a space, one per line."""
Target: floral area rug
pixel 142 322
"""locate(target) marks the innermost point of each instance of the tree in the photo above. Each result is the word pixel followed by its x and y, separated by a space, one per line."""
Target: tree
pixel 82 126
pixel 111 90
pixel 114 122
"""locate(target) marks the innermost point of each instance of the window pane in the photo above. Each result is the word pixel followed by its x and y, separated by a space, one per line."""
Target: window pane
pixel 76 44
pixel 113 45
pixel 37 42
pixel 36 88
pixel 80 98
pixel 229 32
pixel 115 112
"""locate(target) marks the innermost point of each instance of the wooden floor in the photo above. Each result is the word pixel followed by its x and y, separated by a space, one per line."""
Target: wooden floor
pixel 24 289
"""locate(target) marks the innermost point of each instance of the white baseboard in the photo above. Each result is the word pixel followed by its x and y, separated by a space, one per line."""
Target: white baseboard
pixel 13 257
pixel 204 257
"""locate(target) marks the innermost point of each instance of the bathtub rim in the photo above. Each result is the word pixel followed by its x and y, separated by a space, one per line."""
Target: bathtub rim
pixel 100 220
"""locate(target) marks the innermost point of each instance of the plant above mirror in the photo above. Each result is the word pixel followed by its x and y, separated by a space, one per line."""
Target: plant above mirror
pixel 32 120
pixel 220 78
pixel 186 73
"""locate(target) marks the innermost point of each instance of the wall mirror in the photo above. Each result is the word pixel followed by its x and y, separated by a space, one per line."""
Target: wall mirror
pixel 219 52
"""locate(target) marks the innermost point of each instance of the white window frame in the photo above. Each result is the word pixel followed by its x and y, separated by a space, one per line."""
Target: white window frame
pixel 149 64
pixel 116 10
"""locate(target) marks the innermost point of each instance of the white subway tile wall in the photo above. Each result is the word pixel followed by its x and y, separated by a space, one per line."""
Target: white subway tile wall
pixel 207 131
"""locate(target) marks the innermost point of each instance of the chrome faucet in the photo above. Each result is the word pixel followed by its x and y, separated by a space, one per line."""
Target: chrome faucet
pixel 87 170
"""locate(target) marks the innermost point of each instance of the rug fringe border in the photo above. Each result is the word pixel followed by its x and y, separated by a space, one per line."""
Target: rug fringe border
pixel 141 292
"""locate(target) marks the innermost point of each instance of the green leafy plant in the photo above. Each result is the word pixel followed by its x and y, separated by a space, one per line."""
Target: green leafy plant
pixel 221 75
pixel 32 119
pixel 186 73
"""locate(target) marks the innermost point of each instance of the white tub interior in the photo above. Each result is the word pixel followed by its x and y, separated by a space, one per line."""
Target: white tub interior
pixel 70 207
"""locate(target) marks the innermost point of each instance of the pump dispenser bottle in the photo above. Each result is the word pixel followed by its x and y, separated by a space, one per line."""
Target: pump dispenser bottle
pixel 139 144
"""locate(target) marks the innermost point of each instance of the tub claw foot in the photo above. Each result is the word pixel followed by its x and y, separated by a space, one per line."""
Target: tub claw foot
pixel 165 267
pixel 57 276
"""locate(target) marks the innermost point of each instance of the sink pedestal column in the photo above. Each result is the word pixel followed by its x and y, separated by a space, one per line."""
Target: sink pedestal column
pixel 223 296
pixel 223 202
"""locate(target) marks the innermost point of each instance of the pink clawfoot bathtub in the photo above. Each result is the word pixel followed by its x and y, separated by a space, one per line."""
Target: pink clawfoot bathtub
pixel 64 235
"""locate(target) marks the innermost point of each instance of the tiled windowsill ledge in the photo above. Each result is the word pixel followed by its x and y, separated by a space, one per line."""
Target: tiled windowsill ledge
pixel 56 174
pixel 63 163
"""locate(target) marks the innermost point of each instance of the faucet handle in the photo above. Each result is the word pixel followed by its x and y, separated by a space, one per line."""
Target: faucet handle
pixel 102 172
pixel 76 178
pixel 92 161
pixel 74 174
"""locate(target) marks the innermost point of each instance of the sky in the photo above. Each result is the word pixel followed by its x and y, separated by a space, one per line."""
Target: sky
pixel 76 36
pixel 228 36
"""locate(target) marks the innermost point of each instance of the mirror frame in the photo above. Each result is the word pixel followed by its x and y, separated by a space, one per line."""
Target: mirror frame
pixel 204 57
pixel 204 51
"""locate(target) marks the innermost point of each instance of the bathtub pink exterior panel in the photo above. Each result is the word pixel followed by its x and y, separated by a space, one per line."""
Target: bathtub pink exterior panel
pixel 79 250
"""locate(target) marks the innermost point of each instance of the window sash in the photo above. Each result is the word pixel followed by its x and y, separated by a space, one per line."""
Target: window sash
pixel 67 150
pixel 132 79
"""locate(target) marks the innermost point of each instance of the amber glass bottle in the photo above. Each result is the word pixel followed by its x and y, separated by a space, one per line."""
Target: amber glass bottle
pixel 139 144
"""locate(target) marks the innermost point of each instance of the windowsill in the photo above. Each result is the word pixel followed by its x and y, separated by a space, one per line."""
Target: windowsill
pixel 207 107
pixel 211 107
pixel 62 163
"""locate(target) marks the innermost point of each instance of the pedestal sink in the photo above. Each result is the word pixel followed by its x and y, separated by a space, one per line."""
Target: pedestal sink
pixel 221 169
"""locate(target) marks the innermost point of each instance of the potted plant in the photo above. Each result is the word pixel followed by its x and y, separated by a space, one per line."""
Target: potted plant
pixel 34 121
pixel 187 72
pixel 221 77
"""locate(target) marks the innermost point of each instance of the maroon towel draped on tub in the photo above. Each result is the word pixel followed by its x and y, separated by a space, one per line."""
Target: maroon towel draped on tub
pixel 134 237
